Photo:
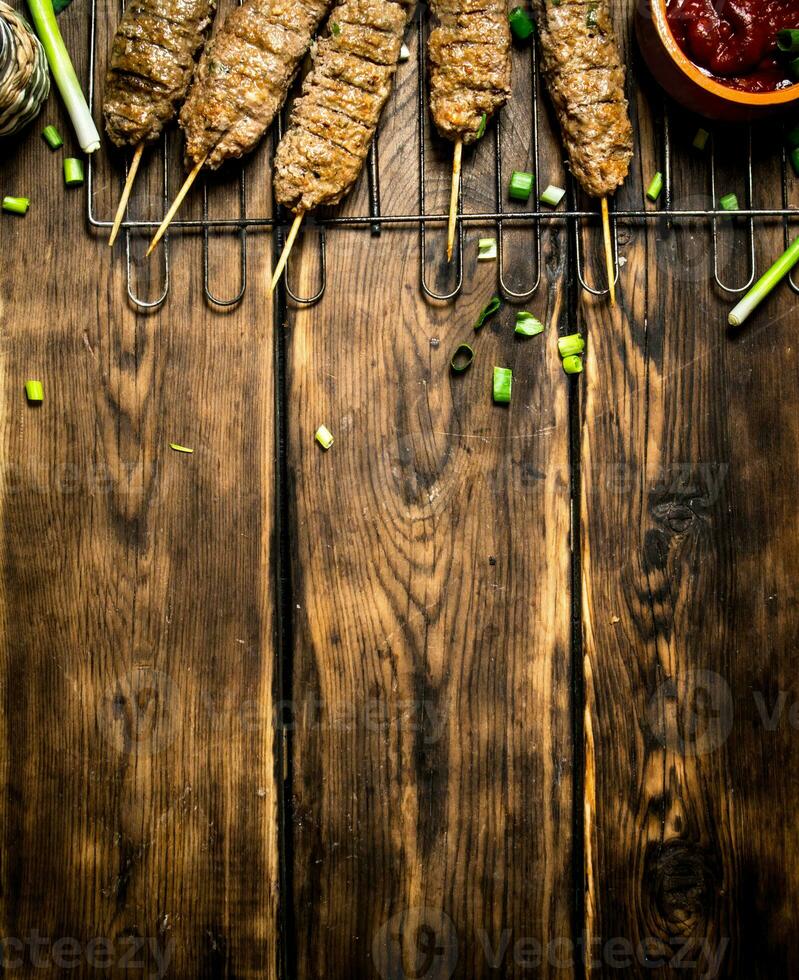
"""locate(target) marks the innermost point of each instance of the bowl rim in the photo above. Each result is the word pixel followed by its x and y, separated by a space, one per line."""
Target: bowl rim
pixel 777 97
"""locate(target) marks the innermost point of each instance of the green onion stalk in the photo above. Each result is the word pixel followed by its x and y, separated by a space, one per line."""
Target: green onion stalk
pixel 44 21
pixel 765 284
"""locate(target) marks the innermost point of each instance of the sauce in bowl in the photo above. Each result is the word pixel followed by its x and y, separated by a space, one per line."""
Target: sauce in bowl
pixel 735 41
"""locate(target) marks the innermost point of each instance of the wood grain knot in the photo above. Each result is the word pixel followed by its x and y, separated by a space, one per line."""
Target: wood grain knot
pixel 676 516
pixel 680 884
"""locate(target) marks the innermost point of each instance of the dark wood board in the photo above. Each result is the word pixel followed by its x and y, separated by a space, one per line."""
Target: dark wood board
pixel 138 805
pixel 489 770
pixel 689 543
pixel 431 666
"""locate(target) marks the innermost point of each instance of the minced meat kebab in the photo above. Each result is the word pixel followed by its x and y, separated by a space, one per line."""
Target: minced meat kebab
pixel 244 77
pixel 241 82
pixel 151 66
pixel 470 73
pixel 334 120
pixel 152 62
pixel 583 70
pixel 470 65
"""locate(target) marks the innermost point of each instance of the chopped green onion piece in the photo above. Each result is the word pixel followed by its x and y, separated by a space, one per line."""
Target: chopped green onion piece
pixel 482 127
pixel 324 437
pixel 488 310
pixel 52 137
pixel 73 172
pixel 792 137
pixel 729 203
pixel 701 138
pixel 521 185
pixel 591 16
pixel 34 391
pixel 788 40
pixel 521 24
pixel 44 21
pixel 795 67
pixel 656 186
pixel 462 358
pixel 486 249
pixel 335 29
pixel 572 364
pixel 503 382
pixel 405 53
pixel 553 195
pixel 795 161
pixel 16 205
pixel 573 344
pixel 527 325
pixel 765 284
pixel 180 449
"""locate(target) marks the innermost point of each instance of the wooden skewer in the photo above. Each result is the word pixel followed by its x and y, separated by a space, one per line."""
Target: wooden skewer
pixel 281 265
pixel 123 201
pixel 453 197
pixel 609 251
pixel 184 190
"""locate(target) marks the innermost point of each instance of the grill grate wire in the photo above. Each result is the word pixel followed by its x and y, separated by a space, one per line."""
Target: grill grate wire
pixel 375 221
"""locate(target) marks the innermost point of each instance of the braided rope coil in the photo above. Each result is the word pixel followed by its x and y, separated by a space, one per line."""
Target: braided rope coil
pixel 24 75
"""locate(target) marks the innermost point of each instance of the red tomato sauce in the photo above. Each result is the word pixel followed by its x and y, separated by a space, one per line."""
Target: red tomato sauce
pixel 735 41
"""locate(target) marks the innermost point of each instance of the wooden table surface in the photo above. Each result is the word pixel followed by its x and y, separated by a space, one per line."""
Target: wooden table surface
pixel 481 691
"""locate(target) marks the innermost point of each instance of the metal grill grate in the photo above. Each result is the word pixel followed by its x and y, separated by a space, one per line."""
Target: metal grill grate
pixel 576 219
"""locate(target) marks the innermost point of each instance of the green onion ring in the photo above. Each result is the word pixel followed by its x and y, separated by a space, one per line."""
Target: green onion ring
pixel 34 391
pixel 571 344
pixel 462 358
pixel 16 205
pixel 520 23
pixel 527 325
pixel 73 172
pixel 788 40
pixel 324 437
pixel 655 187
pixel 503 383
pixel 52 137
pixel 488 310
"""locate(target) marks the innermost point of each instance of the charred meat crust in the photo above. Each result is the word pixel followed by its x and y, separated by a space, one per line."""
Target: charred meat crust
pixel 582 66
pixel 244 76
pixel 469 51
pixel 334 120
pixel 151 65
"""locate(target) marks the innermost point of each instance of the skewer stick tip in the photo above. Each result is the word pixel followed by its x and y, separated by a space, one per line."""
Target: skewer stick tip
pixel 123 201
pixel 609 252
pixel 284 256
pixel 453 197
pixel 184 190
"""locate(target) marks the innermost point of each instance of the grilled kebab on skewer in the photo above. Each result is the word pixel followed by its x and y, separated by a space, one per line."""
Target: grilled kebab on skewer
pixel 241 82
pixel 334 120
pixel 469 50
pixel 584 73
pixel 151 65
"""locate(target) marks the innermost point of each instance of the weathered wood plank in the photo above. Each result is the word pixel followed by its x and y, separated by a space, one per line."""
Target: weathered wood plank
pixel 431 680
pixel 689 557
pixel 138 804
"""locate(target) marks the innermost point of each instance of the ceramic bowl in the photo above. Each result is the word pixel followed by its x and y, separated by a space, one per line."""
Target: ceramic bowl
pixel 685 83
